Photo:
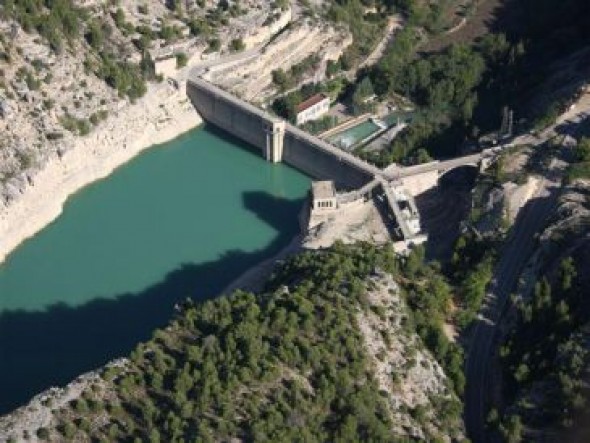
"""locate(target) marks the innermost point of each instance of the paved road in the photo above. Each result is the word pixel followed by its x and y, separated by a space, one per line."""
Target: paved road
pixel 394 23
pixel 518 248
pixel 395 171
pixel 201 68
pixel 441 165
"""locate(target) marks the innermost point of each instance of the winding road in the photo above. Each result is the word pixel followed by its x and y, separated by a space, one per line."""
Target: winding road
pixel 518 248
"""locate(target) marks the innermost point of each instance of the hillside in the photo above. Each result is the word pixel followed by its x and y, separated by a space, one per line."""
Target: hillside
pixel 329 352
pixel 68 68
pixel 546 355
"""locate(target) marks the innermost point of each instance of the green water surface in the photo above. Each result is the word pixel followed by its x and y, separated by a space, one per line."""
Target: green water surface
pixel 351 136
pixel 183 219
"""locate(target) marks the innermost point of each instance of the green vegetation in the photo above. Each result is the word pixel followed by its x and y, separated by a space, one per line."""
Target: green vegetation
pixel 61 22
pixel 237 45
pixel 75 125
pixel 287 80
pixel 56 21
pixel 286 105
pixel 125 77
pixel 199 27
pixel 320 125
pixel 443 85
pixel 214 45
pixel 429 297
pixel 462 90
pixel 286 365
pixel 361 97
pixel 548 348
pixel 181 60
pixel 97 117
pixel 366 29
pixel 471 269
pixel 580 165
pixel 367 22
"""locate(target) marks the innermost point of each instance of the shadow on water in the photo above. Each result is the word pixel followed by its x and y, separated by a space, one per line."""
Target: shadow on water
pixel 232 139
pixel 48 348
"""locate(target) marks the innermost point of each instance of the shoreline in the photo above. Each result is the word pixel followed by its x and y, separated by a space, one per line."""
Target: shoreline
pixel 253 279
pixel 257 275
pixel 163 114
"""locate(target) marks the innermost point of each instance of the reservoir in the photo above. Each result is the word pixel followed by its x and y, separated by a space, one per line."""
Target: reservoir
pixel 180 220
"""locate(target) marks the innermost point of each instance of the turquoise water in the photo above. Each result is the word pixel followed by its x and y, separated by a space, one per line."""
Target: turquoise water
pixel 352 136
pixel 180 220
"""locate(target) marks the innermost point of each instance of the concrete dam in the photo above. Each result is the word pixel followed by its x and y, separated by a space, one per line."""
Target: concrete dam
pixel 277 139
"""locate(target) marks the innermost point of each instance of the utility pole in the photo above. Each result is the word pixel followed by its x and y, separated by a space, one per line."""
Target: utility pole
pixel 507 126
pixel 504 124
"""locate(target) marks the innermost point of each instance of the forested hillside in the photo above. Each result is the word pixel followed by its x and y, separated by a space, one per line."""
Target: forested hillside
pixel 521 62
pixel 291 364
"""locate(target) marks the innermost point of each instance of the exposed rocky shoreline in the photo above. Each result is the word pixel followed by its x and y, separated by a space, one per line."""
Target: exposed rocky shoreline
pixel 161 115
pixel 38 413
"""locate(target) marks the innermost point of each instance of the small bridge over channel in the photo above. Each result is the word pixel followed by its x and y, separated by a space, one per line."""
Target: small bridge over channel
pixel 420 178
pixel 280 141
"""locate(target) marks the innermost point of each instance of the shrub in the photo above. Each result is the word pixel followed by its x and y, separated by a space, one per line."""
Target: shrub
pixel 237 44
pixel 181 60
pixel 43 433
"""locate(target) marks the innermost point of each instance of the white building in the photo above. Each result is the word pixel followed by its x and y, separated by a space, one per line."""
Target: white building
pixel 312 108
pixel 323 196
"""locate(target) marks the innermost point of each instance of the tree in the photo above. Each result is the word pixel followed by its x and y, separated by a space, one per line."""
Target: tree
pixel 181 60
pixel 236 45
pixel 567 271
pixel 422 156
pixel 214 45
pixel 95 35
pixel 154 436
pixel 542 297
pixel 414 261
pixel 582 150
pixel 119 18
pixel 332 68
pixel 512 429
pixel 493 417
pixel 43 433
pixel 280 78
pixel 363 91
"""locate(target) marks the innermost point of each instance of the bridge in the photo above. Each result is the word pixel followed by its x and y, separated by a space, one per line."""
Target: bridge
pixel 281 141
pixel 420 178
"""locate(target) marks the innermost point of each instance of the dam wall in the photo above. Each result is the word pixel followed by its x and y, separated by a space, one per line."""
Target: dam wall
pixel 321 161
pixel 278 140
pixel 239 118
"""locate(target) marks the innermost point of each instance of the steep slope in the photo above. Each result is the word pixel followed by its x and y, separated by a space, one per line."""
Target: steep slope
pixel 327 353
